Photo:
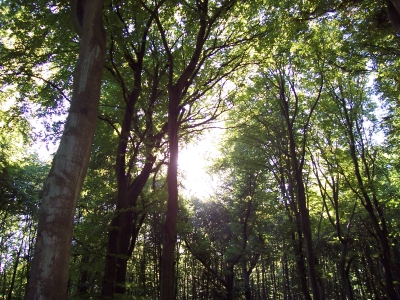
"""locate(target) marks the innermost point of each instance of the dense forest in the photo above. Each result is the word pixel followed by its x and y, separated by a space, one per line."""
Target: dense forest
pixel 306 200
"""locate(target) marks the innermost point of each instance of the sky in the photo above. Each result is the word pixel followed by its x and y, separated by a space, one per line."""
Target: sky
pixel 193 161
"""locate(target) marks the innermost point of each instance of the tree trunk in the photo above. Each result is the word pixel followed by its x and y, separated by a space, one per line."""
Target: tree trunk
pixel 297 242
pixel 169 229
pixel 49 275
pixel 229 282
pixel 304 215
pixel 127 245
pixel 246 281
pixel 83 279
pixel 393 8
pixel 301 268
pixel 306 227
pixel 124 230
pixel 121 234
pixel 344 274
pixel 12 283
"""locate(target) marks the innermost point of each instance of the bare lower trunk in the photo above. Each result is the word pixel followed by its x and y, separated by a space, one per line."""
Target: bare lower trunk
pixel 229 282
pixel 305 220
pixel 108 287
pixel 301 266
pixel 11 288
pixel 344 273
pixel 169 229
pixel 122 236
pixel 49 275
pixel 246 281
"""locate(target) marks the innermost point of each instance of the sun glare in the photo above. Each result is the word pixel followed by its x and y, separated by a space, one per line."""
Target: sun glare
pixel 193 162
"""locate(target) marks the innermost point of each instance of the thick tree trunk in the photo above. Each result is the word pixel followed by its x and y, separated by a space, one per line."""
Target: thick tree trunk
pixel 229 282
pixel 344 274
pixel 49 273
pixel 246 281
pixel 122 264
pixel 121 235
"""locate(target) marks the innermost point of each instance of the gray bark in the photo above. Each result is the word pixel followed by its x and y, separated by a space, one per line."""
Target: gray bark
pixel 49 275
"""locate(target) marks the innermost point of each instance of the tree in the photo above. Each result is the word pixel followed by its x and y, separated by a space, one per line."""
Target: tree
pixel 49 275
pixel 308 203
pixel 292 101
pixel 363 161
pixel 142 126
pixel 137 144
pixel 199 44
pixel 21 187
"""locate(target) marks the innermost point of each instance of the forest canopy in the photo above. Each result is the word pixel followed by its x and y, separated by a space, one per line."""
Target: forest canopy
pixel 305 201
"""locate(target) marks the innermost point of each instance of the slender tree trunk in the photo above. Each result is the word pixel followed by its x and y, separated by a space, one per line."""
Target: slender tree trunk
pixel 301 268
pixel 306 226
pixel 119 221
pixel 4 287
pixel 304 215
pixel 274 283
pixel 112 245
pixel 49 275
pixel 12 283
pixel 169 229
pixel 298 251
pixel 82 284
pixel 285 280
pixel 120 236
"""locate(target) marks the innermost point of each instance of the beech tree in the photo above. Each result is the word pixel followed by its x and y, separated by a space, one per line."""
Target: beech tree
pixel 142 127
pixel 205 24
pixel 307 204
pixel 49 274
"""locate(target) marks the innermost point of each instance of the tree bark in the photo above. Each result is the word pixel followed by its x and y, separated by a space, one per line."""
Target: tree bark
pixel 291 207
pixel 305 219
pixel 120 236
pixel 12 283
pixel 393 8
pixel 49 273
pixel 178 85
pixel 175 95
pixel 169 229
pixel 297 173
pixel 246 281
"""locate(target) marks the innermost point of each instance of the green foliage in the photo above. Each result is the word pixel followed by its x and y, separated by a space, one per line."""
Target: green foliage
pixel 21 187
pixel 326 70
